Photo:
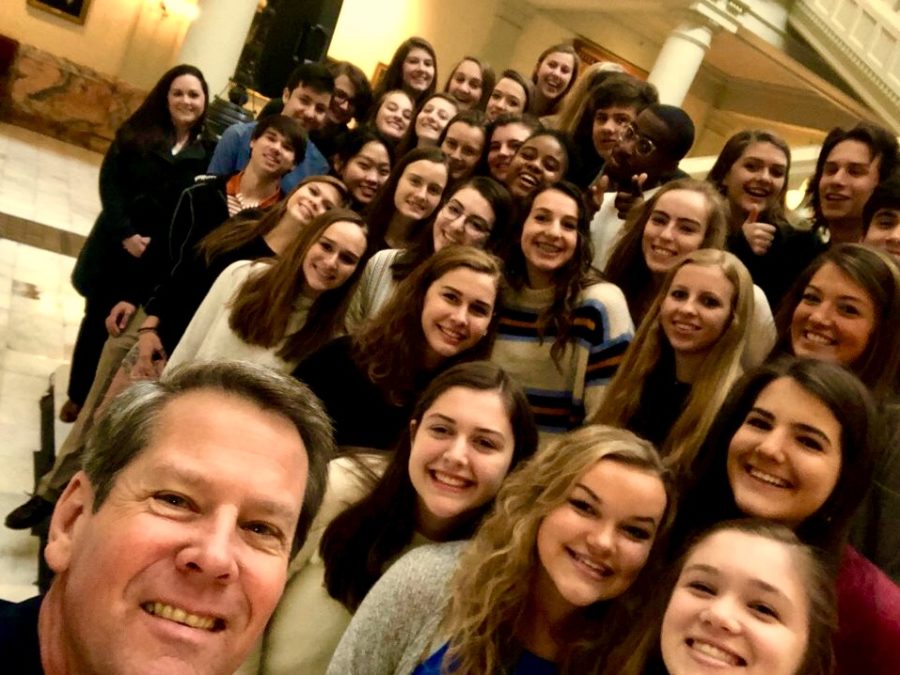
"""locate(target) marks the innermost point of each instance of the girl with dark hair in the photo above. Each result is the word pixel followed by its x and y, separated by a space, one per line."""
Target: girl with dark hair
pixel 685 356
pixel 752 173
pixel 155 155
pixel 363 163
pixel 441 314
pixel 468 430
pixel 392 114
pixel 542 160
pixel 511 94
pixel 545 584
pixel 563 328
pixel 747 592
pixel 478 213
pixel 845 308
pixel 276 313
pixel 505 135
pixel 471 82
pixel 795 443
pixel 408 198
pixel 554 73
pixel 429 122
pixel 413 69
pixel 463 142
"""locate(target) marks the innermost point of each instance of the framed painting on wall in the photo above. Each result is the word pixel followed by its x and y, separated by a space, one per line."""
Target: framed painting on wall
pixel 70 10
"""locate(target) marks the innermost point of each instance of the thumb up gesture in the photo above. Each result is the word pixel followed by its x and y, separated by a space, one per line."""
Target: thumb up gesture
pixel 758 235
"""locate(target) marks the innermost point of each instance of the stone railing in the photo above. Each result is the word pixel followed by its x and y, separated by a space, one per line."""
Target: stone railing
pixel 59 98
pixel 860 39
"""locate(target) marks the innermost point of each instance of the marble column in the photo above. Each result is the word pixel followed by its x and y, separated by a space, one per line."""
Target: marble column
pixel 680 59
pixel 215 39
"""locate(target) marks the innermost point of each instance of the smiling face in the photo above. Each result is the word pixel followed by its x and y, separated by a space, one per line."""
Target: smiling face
pixel 466 84
pixel 676 226
pixel 609 123
pixel 697 308
pixel 641 149
pixel 394 115
pixel 456 313
pixel 432 119
pixel 341 108
pixel 463 145
pixel 418 70
pixel 785 459
pixel 884 231
pixel 333 258
pixel 307 106
pixel 508 96
pixel 541 161
pixel 739 606
pixel 554 74
pixel 505 143
pixel 549 236
pixel 186 101
pixel 834 319
pixel 461 452
pixel 367 171
pixel 420 188
pixel 592 547
pixel 312 199
pixel 756 179
pixel 271 154
pixel 849 176
pixel 182 565
pixel 467 218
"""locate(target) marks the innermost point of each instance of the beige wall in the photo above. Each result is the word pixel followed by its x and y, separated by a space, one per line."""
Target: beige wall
pixel 129 39
pixel 368 32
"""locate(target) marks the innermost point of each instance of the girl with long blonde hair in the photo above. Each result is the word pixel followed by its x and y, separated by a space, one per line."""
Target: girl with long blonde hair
pixel 685 356
pixel 570 534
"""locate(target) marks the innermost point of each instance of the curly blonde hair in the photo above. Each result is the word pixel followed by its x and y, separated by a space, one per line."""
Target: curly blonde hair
pixel 720 369
pixel 495 577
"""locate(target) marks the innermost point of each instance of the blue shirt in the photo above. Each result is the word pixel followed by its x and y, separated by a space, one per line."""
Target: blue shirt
pixel 528 664
pixel 233 154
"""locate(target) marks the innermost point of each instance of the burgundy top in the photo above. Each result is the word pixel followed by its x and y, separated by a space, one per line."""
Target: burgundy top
pixel 868 636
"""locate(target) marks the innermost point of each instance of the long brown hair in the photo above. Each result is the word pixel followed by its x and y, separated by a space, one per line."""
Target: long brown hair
pixel 627 267
pixel 265 301
pixel 390 346
pixel 569 281
pixel 239 230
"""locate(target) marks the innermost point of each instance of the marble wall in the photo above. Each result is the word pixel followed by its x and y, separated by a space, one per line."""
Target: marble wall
pixel 64 100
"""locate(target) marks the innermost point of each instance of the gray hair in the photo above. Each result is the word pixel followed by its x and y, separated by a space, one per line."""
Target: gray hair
pixel 127 427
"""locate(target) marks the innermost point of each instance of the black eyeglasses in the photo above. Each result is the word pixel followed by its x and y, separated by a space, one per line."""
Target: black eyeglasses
pixel 643 146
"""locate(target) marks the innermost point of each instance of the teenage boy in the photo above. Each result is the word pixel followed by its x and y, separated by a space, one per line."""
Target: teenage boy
pixel 306 98
pixel 881 217
pixel 645 157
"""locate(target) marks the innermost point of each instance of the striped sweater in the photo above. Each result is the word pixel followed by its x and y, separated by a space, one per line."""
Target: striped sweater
pixel 562 394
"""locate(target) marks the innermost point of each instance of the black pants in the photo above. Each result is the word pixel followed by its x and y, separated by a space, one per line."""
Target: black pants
pixel 91 336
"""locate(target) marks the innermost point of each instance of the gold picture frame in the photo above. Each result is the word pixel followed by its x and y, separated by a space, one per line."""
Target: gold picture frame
pixel 70 10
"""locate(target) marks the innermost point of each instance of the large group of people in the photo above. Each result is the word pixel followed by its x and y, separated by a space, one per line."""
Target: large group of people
pixel 400 380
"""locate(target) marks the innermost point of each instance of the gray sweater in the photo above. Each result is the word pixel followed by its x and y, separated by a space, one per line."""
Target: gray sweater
pixel 396 626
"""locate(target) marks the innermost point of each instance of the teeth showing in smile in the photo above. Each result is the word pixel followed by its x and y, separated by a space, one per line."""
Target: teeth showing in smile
pixel 757 192
pixel 663 252
pixel 767 478
pixel 818 338
pixel 529 180
pixel 716 653
pixel 454 336
pixel 450 481
pixel 597 568
pixel 179 615
pixel 550 249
